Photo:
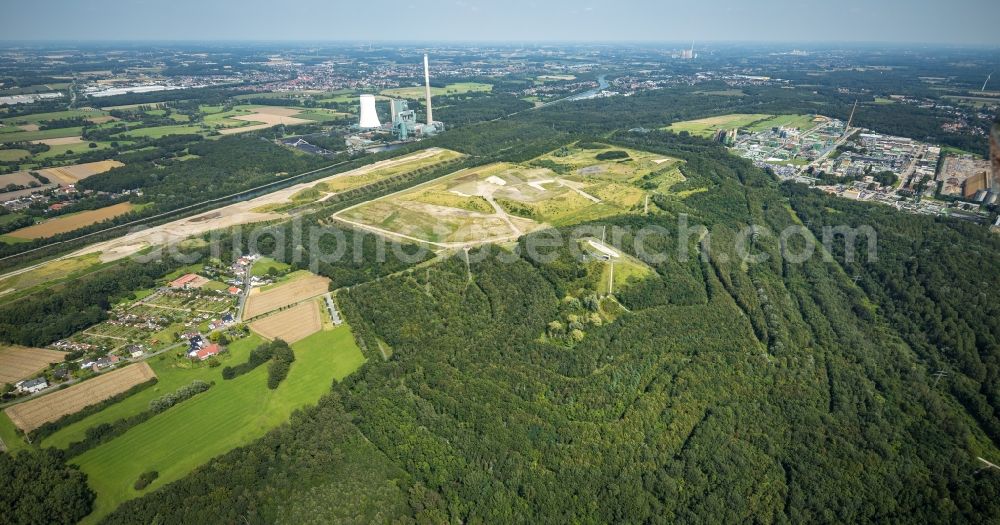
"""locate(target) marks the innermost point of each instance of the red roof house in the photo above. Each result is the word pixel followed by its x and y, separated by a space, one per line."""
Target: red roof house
pixel 208 351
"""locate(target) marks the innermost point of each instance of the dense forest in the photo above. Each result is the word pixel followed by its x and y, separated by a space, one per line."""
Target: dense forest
pixel 767 392
pixel 39 487
pixel 42 318
pixel 832 390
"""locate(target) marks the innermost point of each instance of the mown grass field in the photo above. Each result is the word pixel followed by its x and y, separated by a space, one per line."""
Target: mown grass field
pixel 8 155
pixel 55 115
pixel 22 136
pixel 262 265
pixel 706 127
pixel 8 433
pixel 458 88
pixel 230 414
pixel 50 272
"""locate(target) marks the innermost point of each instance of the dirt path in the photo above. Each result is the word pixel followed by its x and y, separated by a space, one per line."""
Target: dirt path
pixel 501 213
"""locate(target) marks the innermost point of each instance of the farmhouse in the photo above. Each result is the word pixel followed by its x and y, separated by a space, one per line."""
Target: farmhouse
pixel 208 351
pixel 30 386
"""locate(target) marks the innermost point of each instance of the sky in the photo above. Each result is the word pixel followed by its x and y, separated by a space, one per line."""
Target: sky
pixel 959 22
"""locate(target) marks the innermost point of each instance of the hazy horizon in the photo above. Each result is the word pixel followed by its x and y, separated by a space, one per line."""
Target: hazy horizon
pixel 969 22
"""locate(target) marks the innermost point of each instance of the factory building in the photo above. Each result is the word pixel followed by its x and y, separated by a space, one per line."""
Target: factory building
pixel 404 119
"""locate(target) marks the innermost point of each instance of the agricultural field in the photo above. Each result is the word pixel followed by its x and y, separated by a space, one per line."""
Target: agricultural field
pixel 77 172
pixel 707 127
pixel 11 155
pixel 322 115
pixel 555 78
pixel 74 221
pixel 457 88
pixel 340 96
pixel 230 414
pixel 21 178
pixel 18 362
pixel 64 149
pixel 265 117
pixel 36 412
pixel 501 201
pixel 291 325
pixel 56 115
pixel 297 287
pixel 43 136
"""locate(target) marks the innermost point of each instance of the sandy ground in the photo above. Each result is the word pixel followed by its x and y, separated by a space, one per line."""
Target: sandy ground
pixel 225 217
pixel 59 141
pixel 18 362
pixel 29 127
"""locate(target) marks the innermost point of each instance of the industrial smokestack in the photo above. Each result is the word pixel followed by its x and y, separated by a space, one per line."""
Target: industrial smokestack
pixel 427 88
pixel 369 117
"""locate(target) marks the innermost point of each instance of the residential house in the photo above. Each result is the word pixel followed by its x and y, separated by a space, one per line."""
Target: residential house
pixel 30 386
pixel 207 351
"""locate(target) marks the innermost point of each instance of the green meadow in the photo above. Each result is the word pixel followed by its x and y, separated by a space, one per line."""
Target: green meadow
pixel 457 88
pixel 232 413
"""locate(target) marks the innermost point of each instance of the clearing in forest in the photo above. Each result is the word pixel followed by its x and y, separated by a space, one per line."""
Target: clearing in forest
pixel 501 201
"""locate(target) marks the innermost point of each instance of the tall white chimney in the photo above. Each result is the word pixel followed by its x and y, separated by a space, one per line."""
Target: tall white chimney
pixel 427 88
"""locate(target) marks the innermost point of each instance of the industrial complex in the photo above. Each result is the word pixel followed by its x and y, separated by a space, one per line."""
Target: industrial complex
pixel 403 125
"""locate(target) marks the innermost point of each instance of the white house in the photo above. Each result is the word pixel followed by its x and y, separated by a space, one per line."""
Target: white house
pixel 30 386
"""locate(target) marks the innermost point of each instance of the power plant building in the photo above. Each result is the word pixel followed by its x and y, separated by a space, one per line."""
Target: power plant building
pixel 404 119
pixel 369 117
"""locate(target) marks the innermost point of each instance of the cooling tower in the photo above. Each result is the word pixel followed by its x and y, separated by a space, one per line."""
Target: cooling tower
pixel 427 91
pixel 369 118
